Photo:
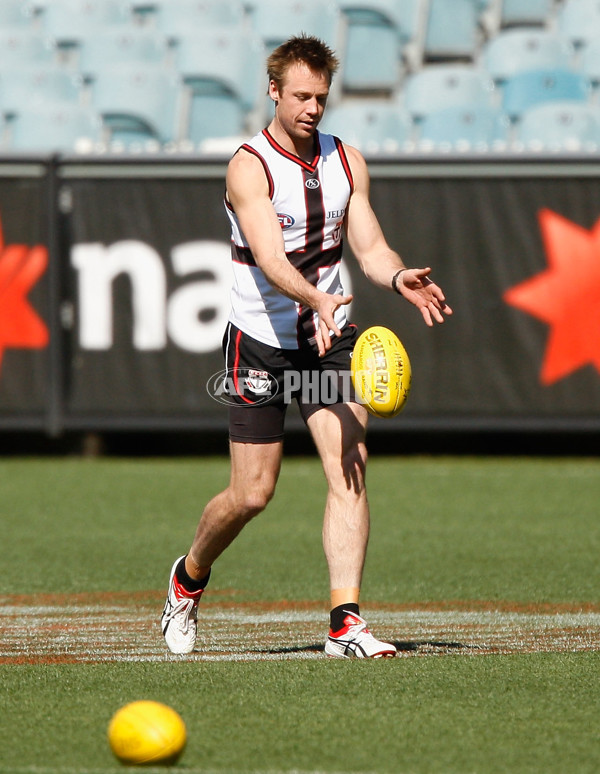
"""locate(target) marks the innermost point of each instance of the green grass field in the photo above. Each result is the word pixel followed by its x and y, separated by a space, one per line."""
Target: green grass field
pixel 483 570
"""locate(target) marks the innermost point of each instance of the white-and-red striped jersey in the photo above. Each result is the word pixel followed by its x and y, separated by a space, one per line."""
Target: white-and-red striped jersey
pixel 310 200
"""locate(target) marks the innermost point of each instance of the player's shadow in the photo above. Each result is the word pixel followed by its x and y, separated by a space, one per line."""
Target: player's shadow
pixel 402 646
pixel 316 648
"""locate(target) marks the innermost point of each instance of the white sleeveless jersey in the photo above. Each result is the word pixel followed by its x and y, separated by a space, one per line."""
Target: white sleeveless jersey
pixel 310 200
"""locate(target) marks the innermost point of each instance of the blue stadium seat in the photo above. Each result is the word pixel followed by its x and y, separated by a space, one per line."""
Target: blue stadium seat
pixel 524 90
pixel 373 126
pixel 143 11
pixel 215 115
pixel 275 21
pixel 412 23
pixel 53 128
pixel 439 86
pixel 126 45
pixel 525 12
pixel 465 127
pixel 386 11
pixel 185 16
pixel 553 125
pixel 579 21
pixel 412 19
pixel 15 13
pixel 590 62
pixel 234 59
pixel 452 30
pixel 68 22
pixel 137 103
pixel 21 48
pixel 373 52
pixel 377 69
pixel 22 86
pixel 516 50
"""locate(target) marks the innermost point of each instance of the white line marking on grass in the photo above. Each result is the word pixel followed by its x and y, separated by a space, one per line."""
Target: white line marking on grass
pixel 121 633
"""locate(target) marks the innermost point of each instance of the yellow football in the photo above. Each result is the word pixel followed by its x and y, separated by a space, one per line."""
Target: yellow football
pixel 381 372
pixel 147 732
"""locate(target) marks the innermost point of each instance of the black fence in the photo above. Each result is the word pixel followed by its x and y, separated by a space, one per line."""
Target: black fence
pixel 114 292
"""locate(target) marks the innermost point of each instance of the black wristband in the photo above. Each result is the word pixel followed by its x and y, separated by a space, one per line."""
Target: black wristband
pixel 395 279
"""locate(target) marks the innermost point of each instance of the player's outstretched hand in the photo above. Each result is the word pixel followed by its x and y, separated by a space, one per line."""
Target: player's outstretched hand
pixel 416 287
pixel 326 311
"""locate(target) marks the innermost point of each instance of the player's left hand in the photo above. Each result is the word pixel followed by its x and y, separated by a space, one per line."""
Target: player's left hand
pixel 416 287
pixel 326 310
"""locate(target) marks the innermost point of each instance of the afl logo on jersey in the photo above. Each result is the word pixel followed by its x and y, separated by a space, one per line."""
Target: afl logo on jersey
pixel 285 221
pixel 312 183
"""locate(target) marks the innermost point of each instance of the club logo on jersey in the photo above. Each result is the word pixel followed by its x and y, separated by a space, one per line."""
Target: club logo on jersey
pixel 312 183
pixel 285 221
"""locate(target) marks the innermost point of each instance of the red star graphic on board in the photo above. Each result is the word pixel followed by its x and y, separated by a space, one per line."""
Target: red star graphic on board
pixel 20 268
pixel 566 296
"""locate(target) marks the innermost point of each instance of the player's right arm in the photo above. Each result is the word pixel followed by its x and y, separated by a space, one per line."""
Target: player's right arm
pixel 248 194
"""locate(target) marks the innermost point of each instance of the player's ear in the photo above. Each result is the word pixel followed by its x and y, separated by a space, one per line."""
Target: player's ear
pixel 273 91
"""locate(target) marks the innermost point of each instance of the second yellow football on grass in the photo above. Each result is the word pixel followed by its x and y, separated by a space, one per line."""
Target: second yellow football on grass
pixel 147 732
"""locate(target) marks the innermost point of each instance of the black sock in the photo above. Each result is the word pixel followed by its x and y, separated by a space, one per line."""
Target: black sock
pixel 189 584
pixel 338 614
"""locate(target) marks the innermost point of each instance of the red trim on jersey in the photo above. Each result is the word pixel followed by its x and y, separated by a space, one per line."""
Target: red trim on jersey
pixel 236 363
pixel 250 149
pixel 296 159
pixel 345 162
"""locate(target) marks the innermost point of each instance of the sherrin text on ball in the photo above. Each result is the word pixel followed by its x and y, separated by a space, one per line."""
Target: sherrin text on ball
pixel 381 372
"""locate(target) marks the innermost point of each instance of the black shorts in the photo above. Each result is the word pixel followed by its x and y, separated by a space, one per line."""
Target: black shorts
pixel 261 381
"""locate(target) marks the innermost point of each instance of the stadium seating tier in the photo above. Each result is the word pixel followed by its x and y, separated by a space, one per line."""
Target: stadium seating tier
pixel 414 73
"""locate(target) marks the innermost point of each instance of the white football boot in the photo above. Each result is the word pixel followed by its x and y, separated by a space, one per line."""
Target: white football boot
pixel 354 640
pixel 178 620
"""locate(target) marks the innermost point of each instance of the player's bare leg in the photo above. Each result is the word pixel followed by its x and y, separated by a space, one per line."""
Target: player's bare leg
pixel 254 472
pixel 339 433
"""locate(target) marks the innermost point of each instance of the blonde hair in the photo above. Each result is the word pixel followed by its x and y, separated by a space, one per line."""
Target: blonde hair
pixel 311 51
